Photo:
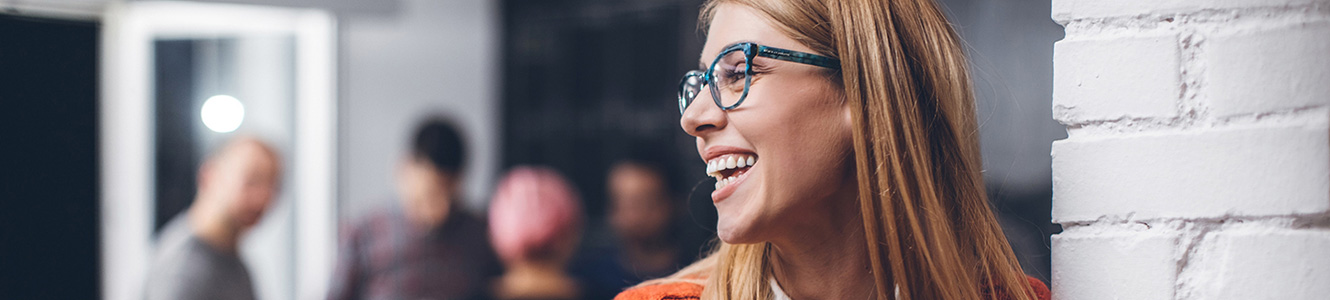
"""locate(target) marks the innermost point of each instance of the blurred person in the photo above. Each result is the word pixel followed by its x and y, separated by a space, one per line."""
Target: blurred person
pixel 196 255
pixel 536 223
pixel 842 137
pixel 427 247
pixel 643 216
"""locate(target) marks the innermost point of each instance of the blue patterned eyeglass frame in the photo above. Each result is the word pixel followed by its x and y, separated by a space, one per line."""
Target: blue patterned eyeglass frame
pixel 692 82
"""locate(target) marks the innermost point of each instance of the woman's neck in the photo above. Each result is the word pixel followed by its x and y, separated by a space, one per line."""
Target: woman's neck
pixel 827 258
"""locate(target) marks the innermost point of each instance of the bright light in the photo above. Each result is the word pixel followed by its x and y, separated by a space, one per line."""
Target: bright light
pixel 223 113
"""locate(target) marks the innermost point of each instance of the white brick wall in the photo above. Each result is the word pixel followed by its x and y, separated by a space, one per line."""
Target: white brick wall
pixel 1264 263
pixel 1117 78
pixel 1198 159
pixel 1080 9
pixel 1144 264
pixel 1246 74
pixel 1211 173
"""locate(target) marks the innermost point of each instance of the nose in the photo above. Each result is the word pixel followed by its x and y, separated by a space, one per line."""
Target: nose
pixel 702 115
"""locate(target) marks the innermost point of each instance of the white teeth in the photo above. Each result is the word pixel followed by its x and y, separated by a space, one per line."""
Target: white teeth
pixel 722 182
pixel 715 166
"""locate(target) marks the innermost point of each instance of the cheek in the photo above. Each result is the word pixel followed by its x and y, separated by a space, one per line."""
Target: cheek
pixel 256 197
pixel 654 221
pixel 416 184
pixel 796 111
pixel 807 143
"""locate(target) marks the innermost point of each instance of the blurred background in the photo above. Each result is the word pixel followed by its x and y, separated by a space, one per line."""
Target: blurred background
pixel 95 162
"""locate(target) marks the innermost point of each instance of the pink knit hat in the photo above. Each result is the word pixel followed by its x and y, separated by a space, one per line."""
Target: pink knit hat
pixel 532 208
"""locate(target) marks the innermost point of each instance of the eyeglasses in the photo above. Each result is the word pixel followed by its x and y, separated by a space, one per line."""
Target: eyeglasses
pixel 734 65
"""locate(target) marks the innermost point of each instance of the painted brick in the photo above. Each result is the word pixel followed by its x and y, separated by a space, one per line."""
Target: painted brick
pixel 1067 10
pixel 1124 265
pixel 1271 70
pixel 1206 173
pixel 1266 264
pixel 1110 79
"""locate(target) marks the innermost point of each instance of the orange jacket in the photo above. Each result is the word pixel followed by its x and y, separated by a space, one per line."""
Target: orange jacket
pixel 692 291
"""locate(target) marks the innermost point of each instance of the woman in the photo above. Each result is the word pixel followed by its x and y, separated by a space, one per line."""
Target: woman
pixel 843 139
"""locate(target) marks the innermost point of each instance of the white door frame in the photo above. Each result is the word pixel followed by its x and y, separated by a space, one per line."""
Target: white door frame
pixel 126 133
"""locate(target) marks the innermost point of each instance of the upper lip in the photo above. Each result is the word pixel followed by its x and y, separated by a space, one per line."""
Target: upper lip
pixel 713 152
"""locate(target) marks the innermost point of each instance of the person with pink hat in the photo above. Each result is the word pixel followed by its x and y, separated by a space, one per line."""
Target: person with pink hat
pixel 535 223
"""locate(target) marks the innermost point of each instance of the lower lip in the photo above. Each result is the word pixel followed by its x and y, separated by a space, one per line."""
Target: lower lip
pixel 725 192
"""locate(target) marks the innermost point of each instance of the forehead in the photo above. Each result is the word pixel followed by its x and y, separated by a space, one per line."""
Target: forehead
pixel 255 157
pixel 631 174
pixel 733 23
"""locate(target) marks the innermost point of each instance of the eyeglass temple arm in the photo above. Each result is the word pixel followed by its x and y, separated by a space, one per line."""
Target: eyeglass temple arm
pixel 799 57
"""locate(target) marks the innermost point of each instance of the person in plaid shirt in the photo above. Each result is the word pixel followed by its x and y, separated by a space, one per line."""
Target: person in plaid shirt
pixel 426 248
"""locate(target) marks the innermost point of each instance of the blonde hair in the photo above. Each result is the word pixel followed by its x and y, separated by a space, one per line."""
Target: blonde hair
pixel 930 232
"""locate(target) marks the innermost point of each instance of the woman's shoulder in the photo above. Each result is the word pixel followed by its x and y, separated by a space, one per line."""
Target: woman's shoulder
pixel 665 291
pixel 1041 291
pixel 1037 286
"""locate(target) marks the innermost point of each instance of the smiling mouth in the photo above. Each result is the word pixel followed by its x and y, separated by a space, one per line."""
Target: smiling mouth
pixel 728 167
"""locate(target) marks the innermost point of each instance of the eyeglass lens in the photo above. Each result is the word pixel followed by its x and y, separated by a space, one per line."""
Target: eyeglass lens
pixel 689 89
pixel 728 81
pixel 729 78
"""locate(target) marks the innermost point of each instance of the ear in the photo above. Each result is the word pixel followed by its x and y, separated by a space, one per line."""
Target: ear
pixel 847 112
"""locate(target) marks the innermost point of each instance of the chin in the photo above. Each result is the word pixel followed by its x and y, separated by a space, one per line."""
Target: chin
pixel 739 218
pixel 737 228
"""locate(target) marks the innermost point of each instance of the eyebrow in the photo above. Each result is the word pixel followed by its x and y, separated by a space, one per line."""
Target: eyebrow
pixel 702 64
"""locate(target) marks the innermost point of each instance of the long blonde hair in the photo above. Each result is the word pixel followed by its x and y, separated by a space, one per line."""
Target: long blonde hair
pixel 930 231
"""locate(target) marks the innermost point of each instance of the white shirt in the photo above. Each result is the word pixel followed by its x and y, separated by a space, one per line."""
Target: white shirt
pixel 779 294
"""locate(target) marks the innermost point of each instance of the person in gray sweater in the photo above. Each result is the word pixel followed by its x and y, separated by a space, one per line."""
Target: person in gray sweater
pixel 196 255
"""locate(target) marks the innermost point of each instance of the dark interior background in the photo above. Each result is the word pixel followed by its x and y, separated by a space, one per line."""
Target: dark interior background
pixel 588 82
pixel 49 212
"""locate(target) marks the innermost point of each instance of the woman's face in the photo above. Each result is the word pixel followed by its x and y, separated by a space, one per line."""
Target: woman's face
pixel 794 126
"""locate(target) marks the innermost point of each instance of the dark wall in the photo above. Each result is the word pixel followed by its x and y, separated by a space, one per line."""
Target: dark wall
pixel 588 82
pixel 176 161
pixel 48 159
